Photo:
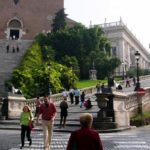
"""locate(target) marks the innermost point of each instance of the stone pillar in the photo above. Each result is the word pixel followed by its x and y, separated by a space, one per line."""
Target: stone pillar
pixel 15 105
pixel 120 112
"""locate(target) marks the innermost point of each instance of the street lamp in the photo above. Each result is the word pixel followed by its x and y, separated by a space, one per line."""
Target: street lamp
pixel 137 57
pixel 49 90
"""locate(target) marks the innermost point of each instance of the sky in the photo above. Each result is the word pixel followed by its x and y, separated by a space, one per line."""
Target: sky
pixel 134 13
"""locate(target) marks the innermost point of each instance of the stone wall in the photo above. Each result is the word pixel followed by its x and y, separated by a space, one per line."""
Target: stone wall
pixel 34 15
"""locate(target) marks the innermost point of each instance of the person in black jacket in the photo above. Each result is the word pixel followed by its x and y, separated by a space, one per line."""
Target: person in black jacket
pixel 64 112
pixel 82 99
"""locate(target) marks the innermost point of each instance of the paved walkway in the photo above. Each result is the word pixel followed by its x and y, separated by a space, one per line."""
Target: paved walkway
pixel 136 139
pixel 126 140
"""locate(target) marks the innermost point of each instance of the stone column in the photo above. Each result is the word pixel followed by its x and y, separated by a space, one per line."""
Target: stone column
pixel 15 105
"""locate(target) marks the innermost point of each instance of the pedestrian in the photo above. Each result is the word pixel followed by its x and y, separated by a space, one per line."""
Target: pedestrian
pixel 98 87
pixel 71 95
pixel 64 112
pixel 48 112
pixel 13 49
pixel 38 104
pixel 127 82
pixel 77 95
pixel 17 49
pixel 25 118
pixel 65 93
pixel 82 99
pixel 102 87
pixel 85 138
pixel 7 48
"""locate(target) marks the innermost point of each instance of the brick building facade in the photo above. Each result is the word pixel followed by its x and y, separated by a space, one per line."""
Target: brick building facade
pixel 23 19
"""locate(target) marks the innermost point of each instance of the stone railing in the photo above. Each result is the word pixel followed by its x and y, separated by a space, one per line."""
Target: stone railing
pixel 16 102
pixel 128 105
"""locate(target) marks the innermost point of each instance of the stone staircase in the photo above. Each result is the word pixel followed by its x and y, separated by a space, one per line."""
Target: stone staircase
pixel 10 60
pixel 74 112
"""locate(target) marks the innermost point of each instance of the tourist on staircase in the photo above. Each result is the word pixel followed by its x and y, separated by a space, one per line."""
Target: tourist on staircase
pixel 48 112
pixel 26 117
pixel 63 112
pixel 71 95
pixel 77 96
pixel 82 99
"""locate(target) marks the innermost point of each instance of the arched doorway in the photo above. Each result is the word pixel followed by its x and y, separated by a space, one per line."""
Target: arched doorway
pixel 14 29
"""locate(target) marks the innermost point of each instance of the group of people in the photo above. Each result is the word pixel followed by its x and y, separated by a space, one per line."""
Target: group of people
pixel 14 49
pixel 64 104
pixel 112 83
pixel 84 138
pixel 47 110
pixel 76 96
pixel 100 87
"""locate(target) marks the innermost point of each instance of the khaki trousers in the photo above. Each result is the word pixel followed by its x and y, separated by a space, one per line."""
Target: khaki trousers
pixel 47 133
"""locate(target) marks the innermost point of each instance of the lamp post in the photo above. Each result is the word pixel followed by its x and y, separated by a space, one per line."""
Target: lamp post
pixel 49 90
pixel 137 56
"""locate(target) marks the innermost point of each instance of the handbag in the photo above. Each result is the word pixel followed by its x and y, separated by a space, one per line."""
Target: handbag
pixel 31 124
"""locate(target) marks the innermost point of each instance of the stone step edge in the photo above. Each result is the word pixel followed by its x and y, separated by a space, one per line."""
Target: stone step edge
pixel 70 129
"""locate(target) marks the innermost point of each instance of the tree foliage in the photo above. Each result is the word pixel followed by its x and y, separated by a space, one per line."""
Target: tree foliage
pixel 72 52
pixel 33 75
pixel 59 22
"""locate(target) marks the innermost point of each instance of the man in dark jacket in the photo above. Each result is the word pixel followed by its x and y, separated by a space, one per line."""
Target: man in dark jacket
pixel 85 138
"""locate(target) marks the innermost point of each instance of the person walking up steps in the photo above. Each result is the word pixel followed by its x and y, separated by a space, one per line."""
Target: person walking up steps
pixel 82 99
pixel 71 95
pixel 64 112
pixel 77 95
pixel 48 112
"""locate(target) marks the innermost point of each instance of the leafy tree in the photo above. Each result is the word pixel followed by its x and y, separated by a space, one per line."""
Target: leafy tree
pixel 33 75
pixel 59 22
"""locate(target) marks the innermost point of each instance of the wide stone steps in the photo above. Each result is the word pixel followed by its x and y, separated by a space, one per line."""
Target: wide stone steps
pixel 74 112
pixel 9 61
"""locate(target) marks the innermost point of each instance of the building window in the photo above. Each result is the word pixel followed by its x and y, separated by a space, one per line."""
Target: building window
pixel 114 51
pixel 14 27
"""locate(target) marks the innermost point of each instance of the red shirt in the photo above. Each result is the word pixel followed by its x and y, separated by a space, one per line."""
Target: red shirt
pixel 85 139
pixel 48 113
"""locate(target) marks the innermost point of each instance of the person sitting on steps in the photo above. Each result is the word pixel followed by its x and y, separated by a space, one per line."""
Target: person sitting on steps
pixel 88 104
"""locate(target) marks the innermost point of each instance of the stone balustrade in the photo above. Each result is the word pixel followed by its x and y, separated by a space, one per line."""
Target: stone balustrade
pixel 16 102
pixel 125 105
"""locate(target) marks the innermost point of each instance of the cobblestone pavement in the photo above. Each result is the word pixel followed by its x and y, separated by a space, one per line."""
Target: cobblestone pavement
pixel 135 139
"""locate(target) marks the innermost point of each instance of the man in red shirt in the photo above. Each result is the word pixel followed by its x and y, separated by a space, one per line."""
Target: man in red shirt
pixel 48 112
pixel 85 138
